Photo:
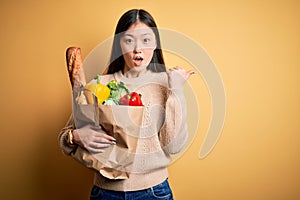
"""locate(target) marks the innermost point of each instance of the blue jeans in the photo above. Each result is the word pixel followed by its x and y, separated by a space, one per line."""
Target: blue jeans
pixel 161 191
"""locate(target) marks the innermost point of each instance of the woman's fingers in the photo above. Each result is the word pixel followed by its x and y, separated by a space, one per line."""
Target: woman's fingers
pixel 95 150
pixel 178 76
pixel 190 72
pixel 108 137
pixel 94 139
pixel 100 133
pixel 104 138
pixel 183 72
pixel 100 145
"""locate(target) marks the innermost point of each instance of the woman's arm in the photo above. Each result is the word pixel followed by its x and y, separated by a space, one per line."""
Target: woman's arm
pixel 67 148
pixel 174 134
pixel 89 137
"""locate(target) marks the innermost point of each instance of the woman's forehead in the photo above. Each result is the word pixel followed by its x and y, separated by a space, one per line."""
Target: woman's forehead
pixel 139 29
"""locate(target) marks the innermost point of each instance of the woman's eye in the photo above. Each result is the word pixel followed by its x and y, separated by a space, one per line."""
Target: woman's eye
pixel 146 40
pixel 129 41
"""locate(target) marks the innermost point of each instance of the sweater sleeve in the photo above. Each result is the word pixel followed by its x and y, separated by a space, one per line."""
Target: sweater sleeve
pixel 67 148
pixel 174 133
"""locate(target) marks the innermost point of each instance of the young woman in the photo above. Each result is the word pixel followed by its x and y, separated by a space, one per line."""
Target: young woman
pixel 137 60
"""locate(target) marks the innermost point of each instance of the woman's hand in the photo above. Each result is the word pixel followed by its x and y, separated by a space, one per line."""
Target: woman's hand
pixel 178 76
pixel 93 138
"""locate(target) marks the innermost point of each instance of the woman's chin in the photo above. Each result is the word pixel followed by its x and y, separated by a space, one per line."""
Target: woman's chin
pixel 136 68
pixel 139 67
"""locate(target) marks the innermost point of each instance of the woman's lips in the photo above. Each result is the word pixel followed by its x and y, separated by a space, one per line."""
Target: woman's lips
pixel 138 61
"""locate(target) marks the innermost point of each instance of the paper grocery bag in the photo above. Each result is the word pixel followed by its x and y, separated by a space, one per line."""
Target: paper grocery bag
pixel 124 124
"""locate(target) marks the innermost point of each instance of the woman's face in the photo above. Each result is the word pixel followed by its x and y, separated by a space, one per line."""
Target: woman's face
pixel 138 44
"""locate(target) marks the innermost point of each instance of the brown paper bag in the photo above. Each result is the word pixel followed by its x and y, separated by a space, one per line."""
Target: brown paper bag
pixel 124 124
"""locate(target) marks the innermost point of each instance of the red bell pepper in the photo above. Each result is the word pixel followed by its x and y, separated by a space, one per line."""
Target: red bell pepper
pixel 132 99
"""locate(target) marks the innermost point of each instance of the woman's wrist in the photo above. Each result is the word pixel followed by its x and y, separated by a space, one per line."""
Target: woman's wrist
pixel 76 138
pixel 72 137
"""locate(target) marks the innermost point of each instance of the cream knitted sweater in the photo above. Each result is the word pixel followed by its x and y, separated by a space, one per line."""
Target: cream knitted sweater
pixel 165 132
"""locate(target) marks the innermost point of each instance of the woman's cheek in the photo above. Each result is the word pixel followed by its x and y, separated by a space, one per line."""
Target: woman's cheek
pixel 149 55
pixel 128 60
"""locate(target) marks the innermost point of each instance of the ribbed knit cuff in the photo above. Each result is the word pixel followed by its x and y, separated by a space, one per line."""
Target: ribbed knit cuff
pixel 67 148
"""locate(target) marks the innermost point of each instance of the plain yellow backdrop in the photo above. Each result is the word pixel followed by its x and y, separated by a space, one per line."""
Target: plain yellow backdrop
pixel 255 45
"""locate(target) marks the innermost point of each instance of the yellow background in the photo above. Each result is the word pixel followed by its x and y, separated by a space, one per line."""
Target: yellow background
pixel 255 45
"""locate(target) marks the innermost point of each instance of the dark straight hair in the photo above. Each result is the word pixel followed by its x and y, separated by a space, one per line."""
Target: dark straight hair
pixel 117 62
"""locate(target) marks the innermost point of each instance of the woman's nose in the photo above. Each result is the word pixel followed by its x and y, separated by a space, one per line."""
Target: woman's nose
pixel 137 47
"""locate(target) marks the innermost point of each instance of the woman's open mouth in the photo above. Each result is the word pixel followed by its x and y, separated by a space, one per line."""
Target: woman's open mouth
pixel 138 60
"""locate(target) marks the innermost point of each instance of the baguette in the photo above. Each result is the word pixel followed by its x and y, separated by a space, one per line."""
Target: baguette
pixel 74 66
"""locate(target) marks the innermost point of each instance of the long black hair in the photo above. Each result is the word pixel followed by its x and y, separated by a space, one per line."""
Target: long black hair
pixel 117 61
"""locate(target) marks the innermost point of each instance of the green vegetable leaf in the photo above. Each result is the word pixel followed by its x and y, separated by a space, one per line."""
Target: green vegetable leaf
pixel 110 102
pixel 117 90
pixel 112 85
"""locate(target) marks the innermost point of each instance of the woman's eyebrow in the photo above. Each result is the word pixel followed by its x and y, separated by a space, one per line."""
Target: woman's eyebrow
pixel 127 34
pixel 130 35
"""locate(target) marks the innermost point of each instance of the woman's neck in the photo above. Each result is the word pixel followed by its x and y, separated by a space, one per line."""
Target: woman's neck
pixel 134 72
